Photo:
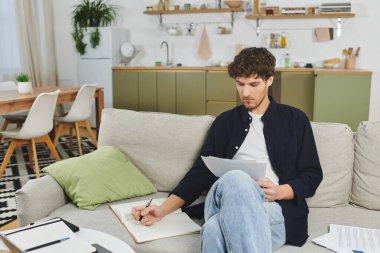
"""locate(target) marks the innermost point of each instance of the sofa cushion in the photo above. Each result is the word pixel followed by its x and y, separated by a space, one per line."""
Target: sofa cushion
pixel 366 179
pixel 98 177
pixel 336 159
pixel 162 145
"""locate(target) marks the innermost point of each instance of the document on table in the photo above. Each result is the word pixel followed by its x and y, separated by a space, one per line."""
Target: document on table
pixel 344 239
pixel 50 236
pixel 219 166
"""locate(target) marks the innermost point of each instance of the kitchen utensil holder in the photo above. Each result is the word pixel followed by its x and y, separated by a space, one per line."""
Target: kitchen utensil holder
pixel 350 63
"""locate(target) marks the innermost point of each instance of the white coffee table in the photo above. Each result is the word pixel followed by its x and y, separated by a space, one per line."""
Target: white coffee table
pixel 112 243
pixel 106 240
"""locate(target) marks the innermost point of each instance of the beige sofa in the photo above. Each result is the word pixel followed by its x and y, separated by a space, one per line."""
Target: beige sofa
pixel 164 147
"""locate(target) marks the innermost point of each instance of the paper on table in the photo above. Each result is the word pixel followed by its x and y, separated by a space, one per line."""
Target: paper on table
pixel 347 238
pixel 219 166
pixel 39 234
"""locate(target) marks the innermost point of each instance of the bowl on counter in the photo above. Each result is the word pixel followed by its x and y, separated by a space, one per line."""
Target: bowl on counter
pixel 331 65
pixel 234 3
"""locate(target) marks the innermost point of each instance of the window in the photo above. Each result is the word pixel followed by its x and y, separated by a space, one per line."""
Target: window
pixel 9 46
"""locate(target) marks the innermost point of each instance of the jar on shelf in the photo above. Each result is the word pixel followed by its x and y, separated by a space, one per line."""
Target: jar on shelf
pixel 287 61
pixel 161 5
pixel 283 42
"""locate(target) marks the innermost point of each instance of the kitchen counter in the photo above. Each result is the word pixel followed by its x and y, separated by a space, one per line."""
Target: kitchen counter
pixel 213 68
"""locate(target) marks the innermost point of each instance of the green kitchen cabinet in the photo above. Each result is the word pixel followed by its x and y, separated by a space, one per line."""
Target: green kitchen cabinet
pixel 342 98
pixel 125 89
pixel 147 91
pixel 217 107
pixel 220 86
pixel 221 92
pixel 297 90
pixel 166 92
pixel 191 92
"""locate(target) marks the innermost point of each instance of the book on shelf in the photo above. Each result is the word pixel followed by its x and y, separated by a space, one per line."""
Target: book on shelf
pixel 174 224
pixel 49 236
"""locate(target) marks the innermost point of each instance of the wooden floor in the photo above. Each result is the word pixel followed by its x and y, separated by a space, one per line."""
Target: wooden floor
pixel 11 225
pixel 14 224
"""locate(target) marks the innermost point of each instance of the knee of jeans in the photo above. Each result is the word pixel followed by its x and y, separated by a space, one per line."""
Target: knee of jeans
pixel 236 177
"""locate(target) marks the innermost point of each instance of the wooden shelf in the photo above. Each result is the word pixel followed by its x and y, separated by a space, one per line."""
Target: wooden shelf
pixel 307 16
pixel 208 10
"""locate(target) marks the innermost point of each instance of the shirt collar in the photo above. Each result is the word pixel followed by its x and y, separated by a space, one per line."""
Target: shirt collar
pixel 267 115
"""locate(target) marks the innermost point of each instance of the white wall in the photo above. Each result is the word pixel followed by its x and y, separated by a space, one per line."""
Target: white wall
pixel 143 32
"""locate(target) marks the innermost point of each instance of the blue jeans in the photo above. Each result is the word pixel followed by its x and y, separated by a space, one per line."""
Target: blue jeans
pixel 238 220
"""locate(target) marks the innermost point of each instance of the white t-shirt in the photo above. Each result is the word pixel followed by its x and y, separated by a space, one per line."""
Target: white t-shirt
pixel 255 148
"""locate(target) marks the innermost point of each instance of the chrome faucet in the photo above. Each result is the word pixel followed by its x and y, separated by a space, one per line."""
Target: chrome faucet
pixel 167 52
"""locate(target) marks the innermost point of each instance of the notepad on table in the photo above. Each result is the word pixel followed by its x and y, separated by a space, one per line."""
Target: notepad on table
pixel 41 235
pixel 173 224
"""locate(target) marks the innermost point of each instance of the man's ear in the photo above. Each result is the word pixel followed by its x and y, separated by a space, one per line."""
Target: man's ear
pixel 270 81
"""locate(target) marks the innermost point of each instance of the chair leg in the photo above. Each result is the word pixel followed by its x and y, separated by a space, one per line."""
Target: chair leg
pixel 71 136
pixel 30 154
pixel 53 151
pixel 58 134
pixel 90 132
pixel 36 166
pixel 5 125
pixel 8 155
pixel 78 138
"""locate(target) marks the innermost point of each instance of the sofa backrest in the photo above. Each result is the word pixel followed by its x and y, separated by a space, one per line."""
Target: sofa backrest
pixel 163 146
pixel 335 145
pixel 366 178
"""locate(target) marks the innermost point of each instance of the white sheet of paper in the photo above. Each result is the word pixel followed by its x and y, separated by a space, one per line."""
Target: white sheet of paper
pixel 219 166
pixel 176 223
pixel 328 241
pixel 356 238
pixel 343 239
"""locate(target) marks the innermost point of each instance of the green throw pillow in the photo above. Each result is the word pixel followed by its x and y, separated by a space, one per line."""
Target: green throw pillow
pixel 98 177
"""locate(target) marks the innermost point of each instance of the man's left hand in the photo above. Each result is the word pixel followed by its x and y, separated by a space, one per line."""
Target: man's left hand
pixel 269 188
pixel 275 192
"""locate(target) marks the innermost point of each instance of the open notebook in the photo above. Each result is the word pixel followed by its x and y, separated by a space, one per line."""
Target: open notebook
pixel 174 224
pixel 46 237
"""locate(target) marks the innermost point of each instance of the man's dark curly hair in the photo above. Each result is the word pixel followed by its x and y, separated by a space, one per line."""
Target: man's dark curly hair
pixel 253 61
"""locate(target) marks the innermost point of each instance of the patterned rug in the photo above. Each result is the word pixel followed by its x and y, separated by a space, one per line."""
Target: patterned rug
pixel 18 171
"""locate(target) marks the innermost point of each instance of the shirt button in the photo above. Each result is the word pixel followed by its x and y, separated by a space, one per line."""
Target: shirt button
pixel 236 147
pixel 246 130
pixel 250 118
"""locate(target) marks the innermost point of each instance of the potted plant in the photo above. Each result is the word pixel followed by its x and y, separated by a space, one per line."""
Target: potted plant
pixel 23 83
pixel 90 13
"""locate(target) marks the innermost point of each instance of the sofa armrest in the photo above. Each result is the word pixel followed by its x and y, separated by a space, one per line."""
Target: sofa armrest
pixel 38 198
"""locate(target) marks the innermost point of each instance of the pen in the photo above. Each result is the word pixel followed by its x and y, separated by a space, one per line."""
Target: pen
pixel 47 244
pixel 147 204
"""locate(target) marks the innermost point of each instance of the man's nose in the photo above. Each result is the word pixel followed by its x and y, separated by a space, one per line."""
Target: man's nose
pixel 245 91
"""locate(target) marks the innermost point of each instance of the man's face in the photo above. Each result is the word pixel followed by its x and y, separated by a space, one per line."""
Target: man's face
pixel 253 92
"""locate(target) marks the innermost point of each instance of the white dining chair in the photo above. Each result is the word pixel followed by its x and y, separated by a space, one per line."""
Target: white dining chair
pixel 12 118
pixel 78 115
pixel 37 125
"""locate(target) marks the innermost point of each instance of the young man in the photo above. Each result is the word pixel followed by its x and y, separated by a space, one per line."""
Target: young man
pixel 243 215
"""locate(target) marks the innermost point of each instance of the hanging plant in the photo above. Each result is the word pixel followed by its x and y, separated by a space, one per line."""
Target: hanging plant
pixel 91 14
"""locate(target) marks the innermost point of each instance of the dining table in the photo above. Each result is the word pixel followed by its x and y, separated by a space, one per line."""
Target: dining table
pixel 12 100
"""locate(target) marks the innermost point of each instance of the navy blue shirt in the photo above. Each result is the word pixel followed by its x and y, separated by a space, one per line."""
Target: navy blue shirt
pixel 291 149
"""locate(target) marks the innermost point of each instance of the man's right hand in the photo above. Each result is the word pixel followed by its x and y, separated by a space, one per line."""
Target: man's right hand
pixel 150 214
pixel 154 213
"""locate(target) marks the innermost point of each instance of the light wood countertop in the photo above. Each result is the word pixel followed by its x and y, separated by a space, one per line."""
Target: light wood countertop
pixel 324 71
